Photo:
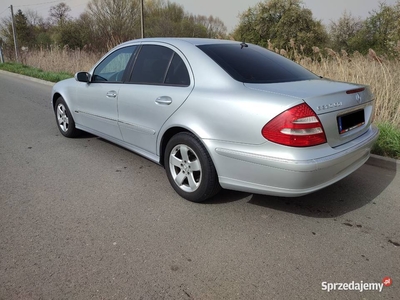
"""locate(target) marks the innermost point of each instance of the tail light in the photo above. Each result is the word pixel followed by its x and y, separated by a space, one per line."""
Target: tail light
pixel 298 126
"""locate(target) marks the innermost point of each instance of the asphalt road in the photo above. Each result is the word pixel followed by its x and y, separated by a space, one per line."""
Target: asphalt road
pixel 85 219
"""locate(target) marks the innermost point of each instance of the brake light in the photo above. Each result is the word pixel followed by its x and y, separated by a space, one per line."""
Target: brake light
pixel 298 126
pixel 355 91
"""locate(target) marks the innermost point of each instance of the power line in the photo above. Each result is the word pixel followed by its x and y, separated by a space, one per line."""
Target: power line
pixel 73 2
pixel 37 4
pixel 3 11
pixel 77 5
pixel 49 2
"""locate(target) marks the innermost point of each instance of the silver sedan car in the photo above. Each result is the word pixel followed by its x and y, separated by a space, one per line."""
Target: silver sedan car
pixel 219 113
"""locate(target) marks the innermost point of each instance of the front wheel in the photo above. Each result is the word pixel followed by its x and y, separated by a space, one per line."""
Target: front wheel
pixel 189 168
pixel 65 122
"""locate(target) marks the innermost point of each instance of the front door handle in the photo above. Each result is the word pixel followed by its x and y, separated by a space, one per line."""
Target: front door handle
pixel 164 100
pixel 111 94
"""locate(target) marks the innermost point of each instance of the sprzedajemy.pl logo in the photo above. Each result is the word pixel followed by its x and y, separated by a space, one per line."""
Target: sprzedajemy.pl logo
pixel 356 286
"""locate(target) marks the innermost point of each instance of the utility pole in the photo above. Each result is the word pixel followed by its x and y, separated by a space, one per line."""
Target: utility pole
pixel 1 56
pixel 142 17
pixel 1 52
pixel 14 33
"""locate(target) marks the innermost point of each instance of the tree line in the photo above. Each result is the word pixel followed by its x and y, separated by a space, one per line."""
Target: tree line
pixel 104 24
pixel 278 23
pixel 270 23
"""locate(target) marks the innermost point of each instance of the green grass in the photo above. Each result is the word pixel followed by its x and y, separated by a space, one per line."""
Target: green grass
pixel 34 72
pixel 388 143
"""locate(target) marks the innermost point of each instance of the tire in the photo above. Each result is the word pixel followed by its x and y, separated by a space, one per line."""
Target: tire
pixel 64 119
pixel 190 169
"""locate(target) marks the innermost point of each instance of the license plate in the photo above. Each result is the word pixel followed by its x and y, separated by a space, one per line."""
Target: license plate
pixel 351 121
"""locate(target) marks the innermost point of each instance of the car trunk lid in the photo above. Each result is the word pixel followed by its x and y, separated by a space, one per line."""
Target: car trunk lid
pixel 344 109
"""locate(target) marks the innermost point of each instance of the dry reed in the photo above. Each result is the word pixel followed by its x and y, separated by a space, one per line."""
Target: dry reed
pixel 61 60
pixel 381 74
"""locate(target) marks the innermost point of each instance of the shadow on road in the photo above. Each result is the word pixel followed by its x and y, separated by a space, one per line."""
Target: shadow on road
pixel 86 135
pixel 351 193
pixel 226 196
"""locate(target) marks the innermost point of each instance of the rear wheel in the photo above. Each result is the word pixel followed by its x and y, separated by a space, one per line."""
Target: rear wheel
pixel 190 169
pixel 65 122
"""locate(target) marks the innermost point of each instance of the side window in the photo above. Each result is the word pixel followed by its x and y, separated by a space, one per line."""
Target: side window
pixel 112 68
pixel 159 65
pixel 177 73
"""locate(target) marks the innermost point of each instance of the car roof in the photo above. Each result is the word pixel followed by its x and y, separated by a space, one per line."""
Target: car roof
pixel 193 41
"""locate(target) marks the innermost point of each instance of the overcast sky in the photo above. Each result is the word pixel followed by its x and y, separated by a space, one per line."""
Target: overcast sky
pixel 226 10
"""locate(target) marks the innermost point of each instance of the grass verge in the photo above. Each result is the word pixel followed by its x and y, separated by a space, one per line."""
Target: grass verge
pixel 388 143
pixel 34 72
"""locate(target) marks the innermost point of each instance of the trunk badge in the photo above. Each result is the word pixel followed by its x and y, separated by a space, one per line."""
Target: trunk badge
pixel 358 98
pixel 330 105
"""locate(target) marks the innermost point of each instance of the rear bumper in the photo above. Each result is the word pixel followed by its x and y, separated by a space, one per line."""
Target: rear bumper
pixel 253 172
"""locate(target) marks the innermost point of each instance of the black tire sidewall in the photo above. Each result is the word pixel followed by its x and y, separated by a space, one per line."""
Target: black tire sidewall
pixel 209 179
pixel 71 132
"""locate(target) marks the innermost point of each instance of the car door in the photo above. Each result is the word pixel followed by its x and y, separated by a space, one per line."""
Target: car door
pixel 159 84
pixel 97 105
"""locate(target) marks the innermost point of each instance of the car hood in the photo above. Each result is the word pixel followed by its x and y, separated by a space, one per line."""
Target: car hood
pixel 321 95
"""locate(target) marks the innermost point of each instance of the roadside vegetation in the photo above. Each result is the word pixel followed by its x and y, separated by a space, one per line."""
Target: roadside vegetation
pixel 35 72
pixel 365 51
pixel 388 143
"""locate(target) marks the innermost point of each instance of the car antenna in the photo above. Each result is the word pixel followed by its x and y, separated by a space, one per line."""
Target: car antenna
pixel 243 44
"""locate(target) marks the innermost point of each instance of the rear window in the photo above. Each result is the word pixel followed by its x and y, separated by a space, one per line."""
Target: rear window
pixel 254 64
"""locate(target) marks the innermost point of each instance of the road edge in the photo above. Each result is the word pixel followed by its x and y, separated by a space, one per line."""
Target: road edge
pixel 384 162
pixel 49 83
pixel 374 160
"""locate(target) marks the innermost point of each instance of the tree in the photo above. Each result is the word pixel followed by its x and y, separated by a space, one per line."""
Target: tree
pixel 76 33
pixel 6 31
pixel 279 22
pixel 106 23
pixel 343 32
pixel 214 26
pixel 34 19
pixel 24 31
pixel 163 18
pixel 193 27
pixel 39 29
pixel 43 39
pixel 381 31
pixel 114 21
pixel 59 13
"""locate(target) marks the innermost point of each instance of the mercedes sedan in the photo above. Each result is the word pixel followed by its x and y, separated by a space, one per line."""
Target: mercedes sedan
pixel 218 113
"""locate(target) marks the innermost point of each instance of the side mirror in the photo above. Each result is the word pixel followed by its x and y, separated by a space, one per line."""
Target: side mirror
pixel 82 77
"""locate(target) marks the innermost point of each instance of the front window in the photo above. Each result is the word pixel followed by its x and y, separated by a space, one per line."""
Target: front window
pixel 112 68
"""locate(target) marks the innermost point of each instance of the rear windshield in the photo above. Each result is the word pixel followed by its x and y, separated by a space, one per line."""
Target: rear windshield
pixel 254 64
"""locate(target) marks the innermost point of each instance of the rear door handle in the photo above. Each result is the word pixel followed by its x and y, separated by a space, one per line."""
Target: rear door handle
pixel 111 94
pixel 164 100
